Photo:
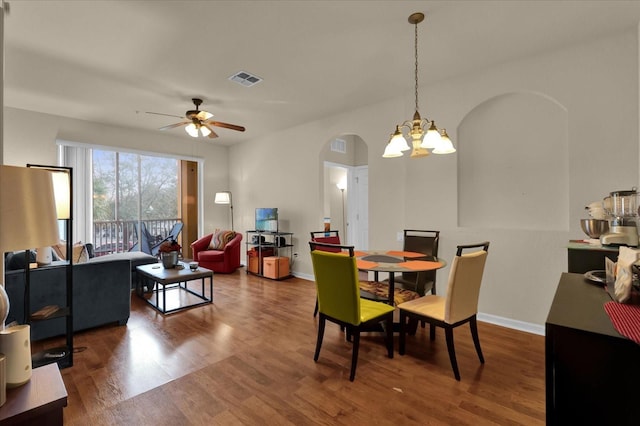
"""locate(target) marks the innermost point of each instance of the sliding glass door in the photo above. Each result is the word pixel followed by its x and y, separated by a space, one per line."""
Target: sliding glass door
pixel 134 196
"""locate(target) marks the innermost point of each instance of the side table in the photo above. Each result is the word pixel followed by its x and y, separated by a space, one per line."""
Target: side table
pixel 38 402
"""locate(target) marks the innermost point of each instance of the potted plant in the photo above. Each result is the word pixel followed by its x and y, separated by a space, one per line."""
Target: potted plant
pixel 169 253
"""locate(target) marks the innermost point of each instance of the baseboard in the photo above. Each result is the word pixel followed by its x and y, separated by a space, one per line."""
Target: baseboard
pixel 511 323
pixel 491 319
pixel 303 276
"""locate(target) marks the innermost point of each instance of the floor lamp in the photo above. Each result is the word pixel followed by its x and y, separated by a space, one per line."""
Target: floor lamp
pixel 225 197
pixel 27 220
pixel 342 185
pixel 62 187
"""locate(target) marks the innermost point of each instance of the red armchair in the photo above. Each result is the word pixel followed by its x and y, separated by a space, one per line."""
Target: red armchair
pixel 222 261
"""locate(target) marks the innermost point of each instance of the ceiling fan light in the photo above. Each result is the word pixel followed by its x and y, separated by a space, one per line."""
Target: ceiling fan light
pixel 205 131
pixel 445 146
pixel 192 130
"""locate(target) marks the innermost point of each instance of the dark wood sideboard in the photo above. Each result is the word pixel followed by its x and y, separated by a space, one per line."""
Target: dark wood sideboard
pixel 592 372
pixel 583 257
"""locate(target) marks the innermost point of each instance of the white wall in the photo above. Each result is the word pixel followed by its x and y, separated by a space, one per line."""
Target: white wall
pixel 37 145
pixel 596 83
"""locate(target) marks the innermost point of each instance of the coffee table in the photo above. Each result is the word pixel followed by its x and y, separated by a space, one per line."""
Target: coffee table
pixel 174 281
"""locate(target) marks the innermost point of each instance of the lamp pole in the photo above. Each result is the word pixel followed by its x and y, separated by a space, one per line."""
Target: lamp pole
pixel 231 207
pixel 342 185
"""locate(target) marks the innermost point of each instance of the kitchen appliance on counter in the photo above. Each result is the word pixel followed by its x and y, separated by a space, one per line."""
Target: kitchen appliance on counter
pixel 622 211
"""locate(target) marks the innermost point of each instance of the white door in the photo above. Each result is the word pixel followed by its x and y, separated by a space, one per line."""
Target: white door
pixel 358 222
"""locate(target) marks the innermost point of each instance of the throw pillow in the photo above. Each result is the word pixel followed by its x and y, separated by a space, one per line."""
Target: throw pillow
pixel 60 250
pixel 220 239
pixel 80 253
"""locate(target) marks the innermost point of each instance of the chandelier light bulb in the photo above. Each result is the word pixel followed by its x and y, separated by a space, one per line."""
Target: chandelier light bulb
pixel 432 138
pixel 445 146
pixel 398 140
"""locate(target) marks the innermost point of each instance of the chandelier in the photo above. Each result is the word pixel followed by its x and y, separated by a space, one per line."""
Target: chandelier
pixel 423 133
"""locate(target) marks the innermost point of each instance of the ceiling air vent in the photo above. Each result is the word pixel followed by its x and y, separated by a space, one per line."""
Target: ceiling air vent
pixel 339 145
pixel 245 79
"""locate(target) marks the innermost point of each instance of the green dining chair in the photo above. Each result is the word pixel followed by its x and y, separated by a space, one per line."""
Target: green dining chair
pixel 336 277
pixel 460 306
pixel 331 237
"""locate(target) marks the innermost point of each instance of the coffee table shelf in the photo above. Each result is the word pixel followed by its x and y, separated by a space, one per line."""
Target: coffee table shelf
pixel 174 283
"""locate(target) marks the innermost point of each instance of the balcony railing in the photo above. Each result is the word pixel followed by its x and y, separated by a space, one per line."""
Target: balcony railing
pixel 118 236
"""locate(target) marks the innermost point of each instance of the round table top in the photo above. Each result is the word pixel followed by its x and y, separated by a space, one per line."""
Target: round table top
pixel 396 261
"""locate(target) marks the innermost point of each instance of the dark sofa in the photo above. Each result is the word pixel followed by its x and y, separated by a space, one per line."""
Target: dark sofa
pixel 101 292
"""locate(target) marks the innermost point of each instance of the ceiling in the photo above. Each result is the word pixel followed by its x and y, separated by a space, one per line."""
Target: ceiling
pixel 112 61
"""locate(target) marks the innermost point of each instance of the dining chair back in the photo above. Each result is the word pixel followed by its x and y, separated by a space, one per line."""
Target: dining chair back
pixel 426 242
pixel 172 235
pixel 458 307
pixel 330 237
pixel 336 278
pixel 144 239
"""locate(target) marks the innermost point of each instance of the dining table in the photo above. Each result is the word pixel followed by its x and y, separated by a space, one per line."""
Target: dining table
pixel 393 262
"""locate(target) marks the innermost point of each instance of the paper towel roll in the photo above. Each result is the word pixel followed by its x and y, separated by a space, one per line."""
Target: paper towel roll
pixel 15 344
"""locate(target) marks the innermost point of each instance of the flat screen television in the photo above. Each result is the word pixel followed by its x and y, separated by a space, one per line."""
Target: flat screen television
pixel 267 219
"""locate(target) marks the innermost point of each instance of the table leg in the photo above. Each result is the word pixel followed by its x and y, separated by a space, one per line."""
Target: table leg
pixel 392 289
pixel 164 298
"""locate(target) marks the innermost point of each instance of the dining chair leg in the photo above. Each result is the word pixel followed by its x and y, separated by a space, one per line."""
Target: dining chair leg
pixel 412 326
pixel 403 330
pixel 452 352
pixel 320 336
pixel 315 311
pixel 476 340
pixel 389 328
pixel 354 356
pixel 432 332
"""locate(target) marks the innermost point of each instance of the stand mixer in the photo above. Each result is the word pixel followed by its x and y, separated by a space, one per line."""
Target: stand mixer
pixel 621 208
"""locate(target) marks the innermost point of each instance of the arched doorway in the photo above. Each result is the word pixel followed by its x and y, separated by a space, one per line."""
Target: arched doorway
pixel 345 188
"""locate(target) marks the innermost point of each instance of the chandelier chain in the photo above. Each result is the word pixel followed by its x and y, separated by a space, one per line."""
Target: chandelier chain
pixel 416 69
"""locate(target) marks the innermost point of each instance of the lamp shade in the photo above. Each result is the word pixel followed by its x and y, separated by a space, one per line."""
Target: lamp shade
pixel 28 216
pixel 223 197
pixel 62 191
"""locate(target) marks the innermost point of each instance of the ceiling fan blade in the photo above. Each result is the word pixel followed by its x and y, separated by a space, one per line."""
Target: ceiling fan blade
pixel 212 134
pixel 168 115
pixel 171 126
pixel 204 115
pixel 226 125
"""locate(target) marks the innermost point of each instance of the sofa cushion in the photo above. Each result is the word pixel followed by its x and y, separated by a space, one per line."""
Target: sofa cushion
pixel 15 260
pixel 136 258
pixel 220 239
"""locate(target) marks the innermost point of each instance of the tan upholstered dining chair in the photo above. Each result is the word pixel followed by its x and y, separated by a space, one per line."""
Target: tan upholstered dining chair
pixel 460 305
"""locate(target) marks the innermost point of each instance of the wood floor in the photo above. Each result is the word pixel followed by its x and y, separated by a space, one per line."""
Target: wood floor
pixel 247 359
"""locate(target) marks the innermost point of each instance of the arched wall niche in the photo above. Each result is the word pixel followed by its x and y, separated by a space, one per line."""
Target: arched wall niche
pixel 513 164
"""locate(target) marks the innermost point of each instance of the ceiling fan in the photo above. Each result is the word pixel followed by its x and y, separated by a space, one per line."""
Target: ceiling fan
pixel 198 122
